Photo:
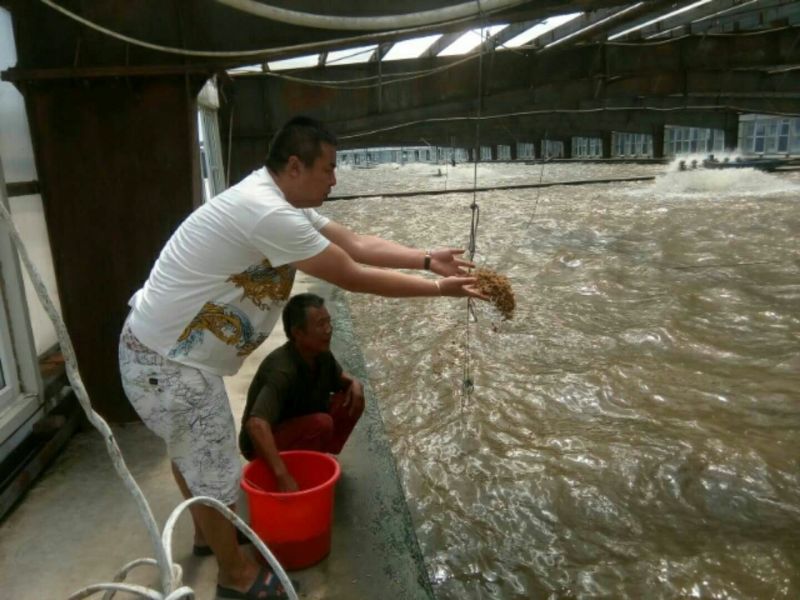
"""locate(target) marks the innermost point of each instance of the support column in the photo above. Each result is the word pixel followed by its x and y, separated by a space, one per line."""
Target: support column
pixel 658 141
pixel 567 141
pixel 731 132
pixel 118 164
pixel 495 151
pixel 514 151
pixel 606 139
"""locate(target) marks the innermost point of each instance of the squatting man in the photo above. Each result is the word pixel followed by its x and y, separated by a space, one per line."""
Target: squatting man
pixel 300 398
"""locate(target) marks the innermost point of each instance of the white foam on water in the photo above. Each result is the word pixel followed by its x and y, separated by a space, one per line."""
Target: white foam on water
pixel 718 183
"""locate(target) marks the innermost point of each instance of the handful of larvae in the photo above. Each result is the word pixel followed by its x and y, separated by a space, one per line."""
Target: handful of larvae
pixel 498 288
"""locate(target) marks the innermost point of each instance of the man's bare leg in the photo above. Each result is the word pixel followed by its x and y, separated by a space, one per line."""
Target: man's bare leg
pixel 236 569
pixel 199 539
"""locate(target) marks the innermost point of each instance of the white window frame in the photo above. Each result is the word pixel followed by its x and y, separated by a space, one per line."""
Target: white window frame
pixel 20 399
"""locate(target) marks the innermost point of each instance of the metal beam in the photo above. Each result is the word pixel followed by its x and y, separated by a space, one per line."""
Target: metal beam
pixel 594 25
pixel 728 16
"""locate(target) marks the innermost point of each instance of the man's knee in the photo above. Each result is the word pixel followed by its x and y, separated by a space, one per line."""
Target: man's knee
pixel 358 411
pixel 321 424
pixel 309 432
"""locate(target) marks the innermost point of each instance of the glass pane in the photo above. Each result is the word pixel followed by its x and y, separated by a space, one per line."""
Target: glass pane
pixel 771 144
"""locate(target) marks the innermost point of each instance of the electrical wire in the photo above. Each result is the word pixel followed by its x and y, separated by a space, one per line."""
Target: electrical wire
pixel 383 80
pixel 554 111
pixel 242 53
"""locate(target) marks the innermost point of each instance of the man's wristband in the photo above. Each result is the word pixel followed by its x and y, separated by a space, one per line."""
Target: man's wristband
pixel 427 264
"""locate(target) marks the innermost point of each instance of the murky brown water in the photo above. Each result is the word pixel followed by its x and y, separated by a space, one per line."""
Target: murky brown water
pixel 634 431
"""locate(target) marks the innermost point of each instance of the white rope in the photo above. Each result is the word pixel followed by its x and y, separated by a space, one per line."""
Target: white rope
pixel 372 23
pixel 170 574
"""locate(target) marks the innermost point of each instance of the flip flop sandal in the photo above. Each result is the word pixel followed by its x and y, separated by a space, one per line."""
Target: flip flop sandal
pixel 267 586
pixel 207 551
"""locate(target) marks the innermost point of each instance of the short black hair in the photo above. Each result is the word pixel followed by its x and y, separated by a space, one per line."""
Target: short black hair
pixel 301 137
pixel 294 313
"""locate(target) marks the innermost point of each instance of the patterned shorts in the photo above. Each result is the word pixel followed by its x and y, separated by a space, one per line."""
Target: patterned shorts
pixel 187 408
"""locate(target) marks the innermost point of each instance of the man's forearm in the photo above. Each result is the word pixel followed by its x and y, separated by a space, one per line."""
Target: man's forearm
pixel 378 252
pixel 264 446
pixel 374 251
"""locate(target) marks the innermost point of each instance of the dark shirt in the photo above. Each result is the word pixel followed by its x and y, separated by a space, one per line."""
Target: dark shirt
pixel 286 387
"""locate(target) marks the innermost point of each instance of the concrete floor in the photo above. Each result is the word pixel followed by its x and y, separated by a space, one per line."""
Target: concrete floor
pixel 78 525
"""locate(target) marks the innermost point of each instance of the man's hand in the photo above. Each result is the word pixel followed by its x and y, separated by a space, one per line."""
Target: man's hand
pixel 286 483
pixel 448 261
pixel 354 398
pixel 460 287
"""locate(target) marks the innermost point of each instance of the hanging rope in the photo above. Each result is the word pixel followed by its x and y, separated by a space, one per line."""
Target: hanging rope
pixel 539 190
pixel 468 383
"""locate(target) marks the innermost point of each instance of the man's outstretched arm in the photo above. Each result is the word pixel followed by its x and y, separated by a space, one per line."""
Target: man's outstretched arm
pixel 378 252
pixel 335 266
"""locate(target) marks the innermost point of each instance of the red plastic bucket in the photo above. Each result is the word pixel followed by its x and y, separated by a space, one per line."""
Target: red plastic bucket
pixel 296 525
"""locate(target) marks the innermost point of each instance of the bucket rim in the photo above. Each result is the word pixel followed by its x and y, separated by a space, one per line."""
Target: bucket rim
pixel 251 489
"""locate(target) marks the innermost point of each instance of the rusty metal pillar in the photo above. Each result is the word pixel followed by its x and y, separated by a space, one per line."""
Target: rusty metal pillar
pixel 731 132
pixel 607 138
pixel 567 141
pixel 119 170
pixel 658 141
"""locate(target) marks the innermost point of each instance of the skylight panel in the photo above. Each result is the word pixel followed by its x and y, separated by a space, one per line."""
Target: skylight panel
pixel 657 19
pixel 246 69
pixel 540 29
pixel 297 62
pixel 411 48
pixel 471 39
pixel 351 56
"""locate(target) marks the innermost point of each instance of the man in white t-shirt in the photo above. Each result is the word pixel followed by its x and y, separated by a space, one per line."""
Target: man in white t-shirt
pixel 213 296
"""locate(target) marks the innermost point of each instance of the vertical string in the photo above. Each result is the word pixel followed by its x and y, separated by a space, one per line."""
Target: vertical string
pixel 468 384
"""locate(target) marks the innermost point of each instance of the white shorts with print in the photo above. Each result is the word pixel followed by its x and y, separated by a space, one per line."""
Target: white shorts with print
pixel 188 408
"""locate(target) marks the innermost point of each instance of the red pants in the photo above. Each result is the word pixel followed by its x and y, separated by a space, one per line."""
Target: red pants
pixel 323 432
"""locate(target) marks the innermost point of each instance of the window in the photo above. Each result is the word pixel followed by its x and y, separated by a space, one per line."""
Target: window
pixel 209 140
pixel 783 139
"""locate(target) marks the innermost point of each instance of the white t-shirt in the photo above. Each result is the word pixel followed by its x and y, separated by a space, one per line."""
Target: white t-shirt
pixel 220 283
